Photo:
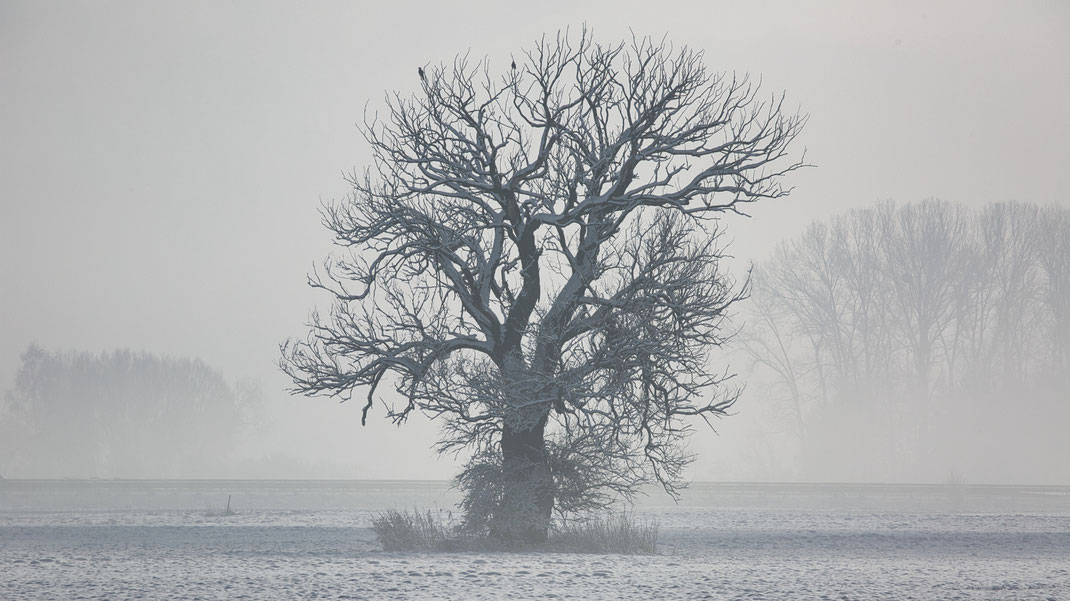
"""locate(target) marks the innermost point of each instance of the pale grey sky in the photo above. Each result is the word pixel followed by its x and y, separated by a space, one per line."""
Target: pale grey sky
pixel 161 163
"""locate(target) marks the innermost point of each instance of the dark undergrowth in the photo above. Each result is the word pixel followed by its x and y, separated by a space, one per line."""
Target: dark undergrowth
pixel 426 531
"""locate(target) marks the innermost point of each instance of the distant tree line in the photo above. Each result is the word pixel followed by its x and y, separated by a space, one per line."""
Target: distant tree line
pixel 118 414
pixel 935 334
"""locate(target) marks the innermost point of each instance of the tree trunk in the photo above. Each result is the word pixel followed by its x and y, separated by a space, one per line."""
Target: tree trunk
pixel 527 493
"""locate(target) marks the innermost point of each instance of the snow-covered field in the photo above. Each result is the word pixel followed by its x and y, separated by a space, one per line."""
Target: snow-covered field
pixel 143 540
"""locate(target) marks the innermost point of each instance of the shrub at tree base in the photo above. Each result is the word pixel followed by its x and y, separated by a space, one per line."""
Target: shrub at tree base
pixel 621 534
pixel 424 531
pixel 409 530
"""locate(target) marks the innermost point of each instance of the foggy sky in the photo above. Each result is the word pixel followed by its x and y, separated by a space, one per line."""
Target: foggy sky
pixel 162 163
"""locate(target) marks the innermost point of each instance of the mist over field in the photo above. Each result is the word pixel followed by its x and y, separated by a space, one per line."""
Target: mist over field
pixel 163 169
pixel 702 300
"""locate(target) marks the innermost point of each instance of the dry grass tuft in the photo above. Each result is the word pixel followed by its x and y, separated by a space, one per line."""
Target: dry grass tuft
pixel 406 530
pixel 621 534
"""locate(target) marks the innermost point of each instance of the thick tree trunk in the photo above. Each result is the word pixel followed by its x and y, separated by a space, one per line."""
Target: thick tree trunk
pixel 528 493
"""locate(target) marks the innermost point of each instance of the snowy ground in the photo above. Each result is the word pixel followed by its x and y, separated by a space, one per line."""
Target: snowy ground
pixel 714 548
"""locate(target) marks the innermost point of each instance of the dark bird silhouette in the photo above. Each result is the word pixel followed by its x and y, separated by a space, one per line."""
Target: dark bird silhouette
pixel 514 65
pixel 420 70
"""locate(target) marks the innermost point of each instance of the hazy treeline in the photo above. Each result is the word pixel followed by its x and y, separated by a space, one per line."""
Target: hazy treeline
pixel 118 414
pixel 924 338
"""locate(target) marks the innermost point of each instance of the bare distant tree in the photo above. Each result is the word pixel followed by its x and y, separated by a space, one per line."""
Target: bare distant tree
pixel 1012 240
pixel 925 256
pixel 769 337
pixel 1053 255
pixel 533 258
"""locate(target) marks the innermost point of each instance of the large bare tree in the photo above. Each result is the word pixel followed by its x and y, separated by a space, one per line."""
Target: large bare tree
pixel 534 258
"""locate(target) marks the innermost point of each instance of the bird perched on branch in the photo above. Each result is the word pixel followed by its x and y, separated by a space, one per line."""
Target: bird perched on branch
pixel 514 65
pixel 420 70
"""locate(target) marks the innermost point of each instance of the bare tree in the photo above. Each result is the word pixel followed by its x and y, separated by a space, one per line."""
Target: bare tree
pixel 767 337
pixel 533 258
pixel 1054 259
pixel 924 261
